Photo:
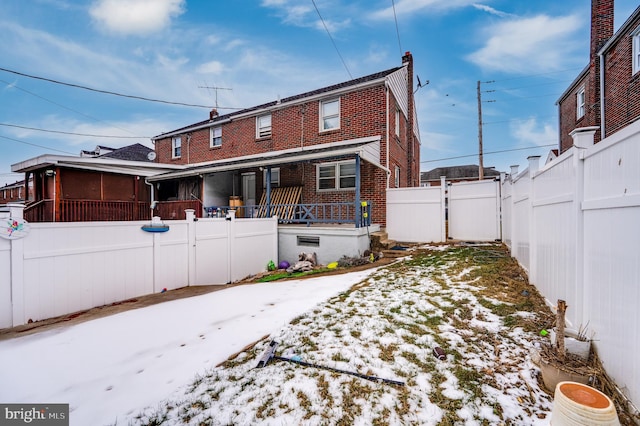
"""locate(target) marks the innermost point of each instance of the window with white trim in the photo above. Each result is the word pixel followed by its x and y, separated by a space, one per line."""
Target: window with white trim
pixel 397 177
pixel 176 147
pixel 263 126
pixel 215 136
pixel 336 176
pixel 275 177
pixel 636 51
pixel 397 122
pixel 330 114
pixel 580 103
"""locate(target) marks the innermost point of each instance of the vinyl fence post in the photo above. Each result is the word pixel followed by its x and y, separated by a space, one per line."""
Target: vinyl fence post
pixel 16 211
pixel 443 209
pixel 583 138
pixel 191 246
pixel 534 165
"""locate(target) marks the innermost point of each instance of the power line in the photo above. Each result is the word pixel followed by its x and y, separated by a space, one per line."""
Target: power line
pixel 36 145
pixel 332 41
pixel 108 92
pixel 63 106
pixel 74 134
pixel 492 152
pixel 393 3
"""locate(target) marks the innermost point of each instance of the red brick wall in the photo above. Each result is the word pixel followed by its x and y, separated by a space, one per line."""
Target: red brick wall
pixel 568 112
pixel 622 89
pixel 362 115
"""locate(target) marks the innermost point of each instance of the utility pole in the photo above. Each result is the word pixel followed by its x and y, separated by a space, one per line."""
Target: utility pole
pixel 480 155
pixel 480 159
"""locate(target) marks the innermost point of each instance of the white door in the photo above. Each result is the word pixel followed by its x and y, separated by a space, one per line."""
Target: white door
pixel 249 190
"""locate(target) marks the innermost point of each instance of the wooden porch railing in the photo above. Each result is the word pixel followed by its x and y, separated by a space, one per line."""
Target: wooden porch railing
pixel 87 211
pixel 174 210
pixel 327 213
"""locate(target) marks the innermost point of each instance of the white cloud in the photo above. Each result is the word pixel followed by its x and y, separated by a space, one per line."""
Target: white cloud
pixel 137 17
pixel 212 67
pixel 491 10
pixel 537 44
pixel 530 132
pixel 407 7
pixel 306 16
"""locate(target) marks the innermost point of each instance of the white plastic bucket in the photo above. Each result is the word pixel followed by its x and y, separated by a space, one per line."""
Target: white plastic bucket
pixel 575 404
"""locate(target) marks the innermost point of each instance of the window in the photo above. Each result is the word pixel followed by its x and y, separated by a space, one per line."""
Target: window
pixel 397 122
pixel 176 147
pixel 636 51
pixel 215 136
pixel 275 177
pixel 336 176
pixel 397 177
pixel 580 99
pixel 263 126
pixel 329 114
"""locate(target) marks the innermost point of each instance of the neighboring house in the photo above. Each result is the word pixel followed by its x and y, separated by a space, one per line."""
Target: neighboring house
pixel 87 188
pixel 456 174
pixel 15 192
pixel 312 157
pixel 606 93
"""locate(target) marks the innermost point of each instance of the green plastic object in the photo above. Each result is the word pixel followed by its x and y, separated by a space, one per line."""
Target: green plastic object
pixel 271 266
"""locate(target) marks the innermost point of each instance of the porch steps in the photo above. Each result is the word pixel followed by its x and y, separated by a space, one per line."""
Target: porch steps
pixel 380 242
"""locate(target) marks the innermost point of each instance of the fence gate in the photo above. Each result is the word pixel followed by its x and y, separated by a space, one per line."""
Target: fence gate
pixel 474 210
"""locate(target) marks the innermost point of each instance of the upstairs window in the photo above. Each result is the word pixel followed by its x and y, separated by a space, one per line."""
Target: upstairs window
pixel 329 114
pixel 336 176
pixel 176 147
pixel 263 126
pixel 215 136
pixel 580 103
pixel 397 122
pixel 275 177
pixel 636 51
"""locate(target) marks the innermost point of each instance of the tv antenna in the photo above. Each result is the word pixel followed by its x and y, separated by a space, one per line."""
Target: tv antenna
pixel 216 88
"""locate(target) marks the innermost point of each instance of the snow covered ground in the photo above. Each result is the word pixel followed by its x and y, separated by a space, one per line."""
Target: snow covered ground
pixel 157 365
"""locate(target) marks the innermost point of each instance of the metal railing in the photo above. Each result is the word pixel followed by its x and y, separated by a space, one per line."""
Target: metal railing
pixel 86 211
pixel 308 213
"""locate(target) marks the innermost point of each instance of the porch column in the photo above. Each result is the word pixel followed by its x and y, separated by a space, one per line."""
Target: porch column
pixel 268 191
pixel 358 206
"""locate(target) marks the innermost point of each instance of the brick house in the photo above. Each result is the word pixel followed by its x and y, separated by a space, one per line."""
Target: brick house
pixel 454 174
pixel 329 149
pixel 15 192
pixel 606 94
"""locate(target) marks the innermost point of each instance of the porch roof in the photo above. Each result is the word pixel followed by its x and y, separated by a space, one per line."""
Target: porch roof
pixel 98 164
pixel 368 148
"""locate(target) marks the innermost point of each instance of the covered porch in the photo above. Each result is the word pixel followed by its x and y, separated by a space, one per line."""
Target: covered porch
pixel 294 185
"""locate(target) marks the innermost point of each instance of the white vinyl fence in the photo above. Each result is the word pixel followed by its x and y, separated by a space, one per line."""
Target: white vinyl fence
pixel 61 268
pixel 420 214
pixel 416 214
pixel 574 224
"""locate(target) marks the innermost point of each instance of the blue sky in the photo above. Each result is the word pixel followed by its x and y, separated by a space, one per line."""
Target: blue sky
pixel 257 51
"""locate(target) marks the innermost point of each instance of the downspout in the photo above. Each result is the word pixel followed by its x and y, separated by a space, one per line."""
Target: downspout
pixel 386 85
pixel 602 106
pixel 152 202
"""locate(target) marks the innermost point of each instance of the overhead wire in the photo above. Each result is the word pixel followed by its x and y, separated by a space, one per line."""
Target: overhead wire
pixel 491 152
pixel 332 41
pixel 395 17
pixel 36 145
pixel 74 134
pixel 108 92
pixel 63 106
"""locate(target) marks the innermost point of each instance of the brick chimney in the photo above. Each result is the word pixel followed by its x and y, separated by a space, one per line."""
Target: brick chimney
pixel 601 32
pixel 213 114
pixel 413 174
